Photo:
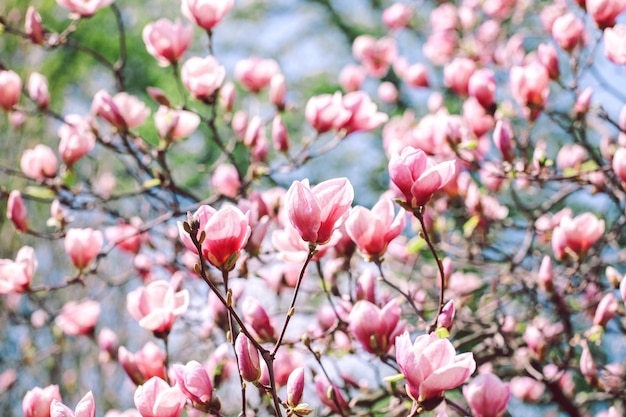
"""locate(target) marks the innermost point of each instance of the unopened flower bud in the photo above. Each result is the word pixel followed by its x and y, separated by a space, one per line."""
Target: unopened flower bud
pixel 249 364
pixel 295 387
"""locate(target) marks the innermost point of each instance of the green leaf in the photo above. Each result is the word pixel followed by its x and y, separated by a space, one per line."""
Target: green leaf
pixel 470 226
pixel 69 178
pixel 415 245
pixel 442 333
pixel 40 192
pixel 154 182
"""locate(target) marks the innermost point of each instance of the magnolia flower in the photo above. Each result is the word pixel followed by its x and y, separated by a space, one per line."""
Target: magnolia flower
pixel 157 305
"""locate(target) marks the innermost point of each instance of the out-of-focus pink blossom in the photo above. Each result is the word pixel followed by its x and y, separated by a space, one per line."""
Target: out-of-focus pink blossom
pixel 318 211
pixel 280 134
pixel 569 31
pixel 372 230
pixel 122 110
pixel 84 8
pixel 77 138
pixel 476 117
pixel 571 156
pixel 257 320
pixel 206 13
pixel 351 77
pixel 16 276
pixel 588 366
pixel 604 12
pixel 487 395
pixel 583 101
pixel 36 402
pixel 157 305
pixel 376 55
pixel 387 92
pixel 82 246
pixel 16 211
pixel 78 318
pixel 527 389
pixel 330 395
pixel 364 113
pixel 37 88
pixel 175 124
pixel 530 86
pixel 619 163
pixel 255 73
pixel 575 236
pixel 446 317
pixel 278 91
pixel 227 96
pixel 397 16
pixel 86 407
pixel 503 139
pixel 431 366
pixel 156 398
pixel 167 41
pixel 225 180
pixel 33 26
pixel 606 310
pixel 418 176
pixel 545 276
pixel 615 44
pixel 39 163
pixel 440 46
pixel 456 75
pixel 444 17
pixel 375 328
pixel 416 76
pixel 148 362
pixel 548 57
pixel 127 236
pixel 326 112
pixel 202 76
pixel 10 89
pixel 482 86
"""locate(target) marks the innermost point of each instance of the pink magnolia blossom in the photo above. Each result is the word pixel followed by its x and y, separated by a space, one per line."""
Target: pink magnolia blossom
pixel 440 46
pixel 482 86
pixel 577 235
pixel 615 44
pixel 326 112
pixel 545 276
pixel 77 138
pixel 571 156
pixel 157 305
pixel 619 163
pixel 583 101
pixel 84 8
pixel 588 366
pixel 248 355
pixel 376 328
pixel 16 211
pixel 456 75
pixel 175 124
pixel 548 57
pixel 295 387
pixel 364 112
pixel 167 41
pixel 530 86
pixel 444 17
pixel 503 139
pixel 206 13
pixel 569 31
pixel 606 310
pixel 487 395
pixel 194 381
pixel 477 118
pixel 122 110
pixel 146 363
pixel 10 89
pixel 37 401
pixel 397 16
pixel 37 88
pixel 351 77
pixel 16 276
pixel 418 176
pixel 82 245
pixel 280 134
pixel 318 211
pixel 431 365
pixel 446 317
pixel 330 395
pixel 527 389
pixel 126 236
pixel 39 163
pixel 257 320
pixel 255 73
pixel 278 91
pixel 156 398
pixel 86 407
pixel 372 230
pixel 416 76
pixel 33 26
pixel 227 96
pixel 78 318
pixel 376 55
pixel 202 76
pixel 604 12
pixel 225 180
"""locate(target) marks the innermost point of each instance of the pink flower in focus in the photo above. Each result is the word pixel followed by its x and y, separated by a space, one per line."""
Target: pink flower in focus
pixel 376 55
pixel 431 365
pixel 615 44
pixel 156 398
pixel 351 77
pixel 569 31
pixel 575 236
pixel 84 8
pixel 418 176
pixel 82 245
pixel 255 73
pixel 295 387
pixel 194 381
pixel 33 26
pixel 157 305
pixel 604 12
pixel 77 138
pixel 317 212
pixel 397 16
pixel 372 230
pixel 225 180
pixel 227 232
pixel 167 41
pixel 487 395
pixel 365 115
pixel 203 76
pixel 375 328
pixel 38 90
pixel 249 363
pixel 36 402
pixel 86 407
pixel 206 13
pixel 175 124
pixel 16 211
pixel 15 276
pixel 10 89
pixel 326 112
pixel 78 318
